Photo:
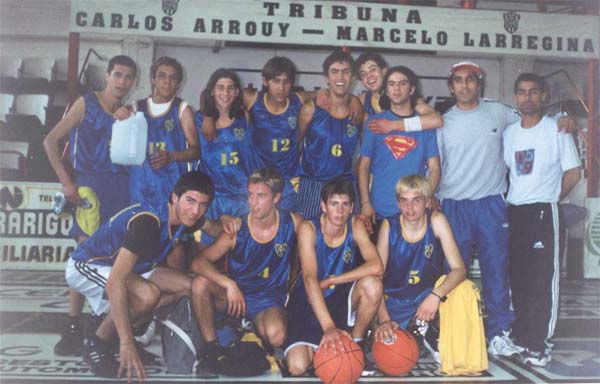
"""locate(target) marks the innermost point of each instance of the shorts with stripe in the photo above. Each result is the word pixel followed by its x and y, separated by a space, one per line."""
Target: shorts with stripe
pixel 90 279
pixel 402 310
pixel 305 329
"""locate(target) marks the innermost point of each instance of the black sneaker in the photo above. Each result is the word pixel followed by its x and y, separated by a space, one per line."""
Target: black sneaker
pixel 207 367
pixel 98 355
pixel 369 367
pixel 208 362
pixel 71 340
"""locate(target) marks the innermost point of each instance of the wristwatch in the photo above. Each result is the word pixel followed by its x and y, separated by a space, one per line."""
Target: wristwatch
pixel 442 298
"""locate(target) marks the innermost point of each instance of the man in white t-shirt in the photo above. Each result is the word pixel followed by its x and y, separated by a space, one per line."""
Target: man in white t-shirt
pixel 544 167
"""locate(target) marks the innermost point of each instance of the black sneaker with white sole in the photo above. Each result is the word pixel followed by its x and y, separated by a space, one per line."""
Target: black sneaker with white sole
pixel 98 354
pixel 71 340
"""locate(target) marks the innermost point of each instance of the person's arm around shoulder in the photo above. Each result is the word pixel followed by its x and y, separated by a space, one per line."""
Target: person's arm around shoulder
pixel 51 145
pixel 457 274
pixel 427 118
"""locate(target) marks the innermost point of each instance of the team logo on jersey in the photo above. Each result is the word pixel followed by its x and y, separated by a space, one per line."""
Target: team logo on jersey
pixel 429 251
pixel 524 161
pixel 169 125
pixel 280 249
pixel 399 146
pixel 350 130
pixel 239 133
pixel 292 122
pixel 347 255
pixel 511 21
pixel 169 7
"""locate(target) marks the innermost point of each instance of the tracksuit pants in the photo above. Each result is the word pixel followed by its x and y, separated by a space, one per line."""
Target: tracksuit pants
pixel 484 222
pixel 535 246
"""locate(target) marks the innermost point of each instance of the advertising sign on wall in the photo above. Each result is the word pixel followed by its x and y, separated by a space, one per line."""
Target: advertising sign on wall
pixel 32 236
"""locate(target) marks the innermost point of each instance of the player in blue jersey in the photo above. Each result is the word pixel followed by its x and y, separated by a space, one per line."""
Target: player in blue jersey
pixel 120 268
pixel 258 268
pixel 228 159
pixel 370 68
pixel 274 112
pixel 333 295
pixel 172 136
pixel 386 158
pixel 330 137
pixel 89 126
pixel 412 246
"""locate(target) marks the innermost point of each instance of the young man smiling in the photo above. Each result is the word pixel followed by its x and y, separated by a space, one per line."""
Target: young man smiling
pixel 386 158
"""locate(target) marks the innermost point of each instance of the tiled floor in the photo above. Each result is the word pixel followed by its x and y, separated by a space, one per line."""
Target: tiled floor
pixel 33 306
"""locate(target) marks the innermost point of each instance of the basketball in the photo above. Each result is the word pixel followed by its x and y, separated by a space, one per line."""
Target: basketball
pixel 399 357
pixel 344 367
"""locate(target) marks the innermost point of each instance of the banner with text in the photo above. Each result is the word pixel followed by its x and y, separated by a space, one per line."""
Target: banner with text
pixel 32 236
pixel 344 23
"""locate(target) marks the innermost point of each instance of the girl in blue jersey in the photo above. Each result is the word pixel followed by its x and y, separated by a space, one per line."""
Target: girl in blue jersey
pixel 409 247
pixel 229 158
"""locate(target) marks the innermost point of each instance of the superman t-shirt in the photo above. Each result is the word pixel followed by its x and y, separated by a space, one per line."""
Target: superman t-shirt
pixel 393 156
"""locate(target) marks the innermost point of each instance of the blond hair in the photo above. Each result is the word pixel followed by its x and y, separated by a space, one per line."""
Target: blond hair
pixel 414 182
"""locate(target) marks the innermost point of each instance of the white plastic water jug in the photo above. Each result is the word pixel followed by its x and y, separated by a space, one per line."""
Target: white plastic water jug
pixel 129 140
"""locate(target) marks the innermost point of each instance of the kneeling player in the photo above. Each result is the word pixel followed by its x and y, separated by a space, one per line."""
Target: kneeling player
pixel 409 249
pixel 333 294
pixel 115 269
pixel 258 269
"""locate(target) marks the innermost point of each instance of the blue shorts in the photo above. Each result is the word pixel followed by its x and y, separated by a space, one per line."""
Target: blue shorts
pixel 257 303
pixel 402 310
pixel 112 190
pixel 232 206
pixel 305 329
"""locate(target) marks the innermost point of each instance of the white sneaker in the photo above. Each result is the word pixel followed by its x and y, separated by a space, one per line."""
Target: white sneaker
pixel 536 358
pixel 502 345
pixel 147 337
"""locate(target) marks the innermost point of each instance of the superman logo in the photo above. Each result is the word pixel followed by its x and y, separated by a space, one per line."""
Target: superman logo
pixel 400 145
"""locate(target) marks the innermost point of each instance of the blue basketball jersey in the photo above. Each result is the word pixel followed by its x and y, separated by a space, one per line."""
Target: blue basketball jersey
pixel 412 267
pixel 263 267
pixel 89 142
pixel 331 261
pixel 154 186
pixel 229 159
pixel 103 246
pixel 371 104
pixel 330 146
pixel 275 135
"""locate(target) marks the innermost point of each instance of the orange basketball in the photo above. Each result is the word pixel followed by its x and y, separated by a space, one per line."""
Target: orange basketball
pixel 344 367
pixel 399 357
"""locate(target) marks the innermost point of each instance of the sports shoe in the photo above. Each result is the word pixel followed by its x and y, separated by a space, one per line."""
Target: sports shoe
pixel 71 340
pixel 208 362
pixel 146 337
pixel 538 359
pixel 98 355
pixel 369 367
pixel 502 345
